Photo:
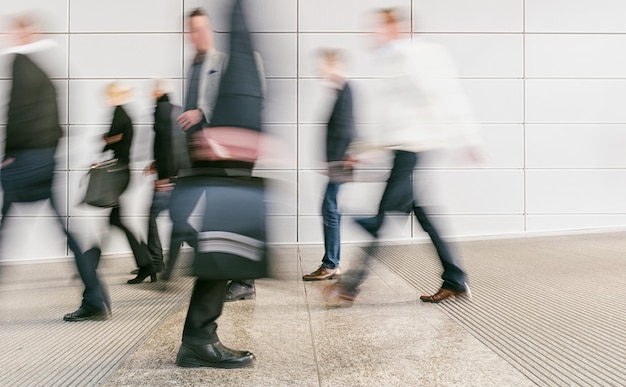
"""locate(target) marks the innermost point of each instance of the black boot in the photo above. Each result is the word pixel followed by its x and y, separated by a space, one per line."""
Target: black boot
pixel 143 273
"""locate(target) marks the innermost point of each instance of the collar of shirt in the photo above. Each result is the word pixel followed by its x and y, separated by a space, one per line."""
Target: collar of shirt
pixel 199 58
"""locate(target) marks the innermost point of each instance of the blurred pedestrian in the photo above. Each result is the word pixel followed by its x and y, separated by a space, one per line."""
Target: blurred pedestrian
pixel 203 82
pixel 339 133
pixel 165 168
pixel 224 153
pixel 119 140
pixel 32 138
pixel 202 86
pixel 422 109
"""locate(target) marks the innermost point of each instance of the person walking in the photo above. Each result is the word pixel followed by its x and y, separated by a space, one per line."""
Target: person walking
pixel 32 138
pixel 339 134
pixel 422 109
pixel 119 140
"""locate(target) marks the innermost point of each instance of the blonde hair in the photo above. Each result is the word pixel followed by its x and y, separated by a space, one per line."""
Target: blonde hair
pixel 331 56
pixel 118 93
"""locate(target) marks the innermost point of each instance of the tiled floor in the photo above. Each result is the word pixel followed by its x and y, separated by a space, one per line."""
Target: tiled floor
pixel 387 338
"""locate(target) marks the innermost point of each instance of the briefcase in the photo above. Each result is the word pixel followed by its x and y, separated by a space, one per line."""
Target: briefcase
pixel 232 241
pixel 107 181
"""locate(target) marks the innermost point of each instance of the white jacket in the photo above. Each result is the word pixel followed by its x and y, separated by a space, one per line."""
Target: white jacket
pixel 421 104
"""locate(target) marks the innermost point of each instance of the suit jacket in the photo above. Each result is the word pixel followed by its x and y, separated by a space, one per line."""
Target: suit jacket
pixel 213 67
pixel 340 127
pixel 33 116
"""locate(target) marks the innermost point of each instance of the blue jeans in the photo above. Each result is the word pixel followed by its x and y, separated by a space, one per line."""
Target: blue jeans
pixel 332 220
pixel 160 203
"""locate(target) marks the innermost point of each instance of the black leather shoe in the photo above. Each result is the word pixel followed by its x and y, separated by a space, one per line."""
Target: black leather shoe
pixel 237 291
pixel 83 314
pixel 214 355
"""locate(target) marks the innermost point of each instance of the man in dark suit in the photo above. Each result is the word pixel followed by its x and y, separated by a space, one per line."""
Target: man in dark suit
pixel 32 138
pixel 340 132
pixel 207 69
pixel 228 140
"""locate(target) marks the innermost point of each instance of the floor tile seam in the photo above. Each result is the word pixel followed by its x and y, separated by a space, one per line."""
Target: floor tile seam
pixel 377 271
pixel 310 322
pixel 122 360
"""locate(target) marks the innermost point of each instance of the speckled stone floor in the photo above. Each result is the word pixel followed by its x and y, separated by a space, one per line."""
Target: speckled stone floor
pixel 386 338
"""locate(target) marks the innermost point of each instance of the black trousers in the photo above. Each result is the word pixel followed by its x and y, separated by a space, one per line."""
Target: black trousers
pixel 207 301
pixel 29 179
pixel 399 196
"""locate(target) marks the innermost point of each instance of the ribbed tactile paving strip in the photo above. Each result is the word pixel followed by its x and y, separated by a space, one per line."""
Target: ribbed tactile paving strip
pixel 555 308
pixel 40 349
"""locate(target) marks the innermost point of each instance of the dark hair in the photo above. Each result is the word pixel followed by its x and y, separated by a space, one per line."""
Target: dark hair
pixel 390 15
pixel 198 12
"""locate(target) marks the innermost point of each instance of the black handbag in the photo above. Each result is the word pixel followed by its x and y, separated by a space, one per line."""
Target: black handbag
pixel 232 242
pixel 107 181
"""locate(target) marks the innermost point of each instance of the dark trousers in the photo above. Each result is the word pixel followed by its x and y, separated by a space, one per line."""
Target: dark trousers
pixel 32 172
pixel 142 258
pixel 160 203
pixel 207 301
pixel 399 196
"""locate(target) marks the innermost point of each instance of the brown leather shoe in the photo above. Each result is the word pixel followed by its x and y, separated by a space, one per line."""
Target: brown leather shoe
pixel 322 273
pixel 443 294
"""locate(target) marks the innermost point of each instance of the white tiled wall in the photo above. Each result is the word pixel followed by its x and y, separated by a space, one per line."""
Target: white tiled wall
pixel 547 80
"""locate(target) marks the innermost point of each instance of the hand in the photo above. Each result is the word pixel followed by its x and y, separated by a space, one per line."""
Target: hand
pixel 7 162
pixel 163 185
pixel 350 162
pixel 112 139
pixel 190 118
pixel 150 169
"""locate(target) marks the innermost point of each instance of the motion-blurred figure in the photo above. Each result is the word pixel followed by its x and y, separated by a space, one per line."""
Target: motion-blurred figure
pixel 224 152
pixel 339 133
pixel 203 84
pixel 422 108
pixel 119 139
pixel 164 166
pixel 32 138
